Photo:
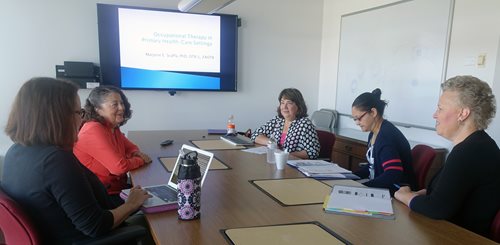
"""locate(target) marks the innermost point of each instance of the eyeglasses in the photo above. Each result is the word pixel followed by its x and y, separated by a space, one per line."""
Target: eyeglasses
pixel 81 113
pixel 360 117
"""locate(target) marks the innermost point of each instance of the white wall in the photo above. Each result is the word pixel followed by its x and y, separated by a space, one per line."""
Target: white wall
pixel 475 30
pixel 279 46
pixel 494 128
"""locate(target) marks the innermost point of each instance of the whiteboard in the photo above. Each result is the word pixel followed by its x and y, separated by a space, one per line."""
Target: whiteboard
pixel 400 48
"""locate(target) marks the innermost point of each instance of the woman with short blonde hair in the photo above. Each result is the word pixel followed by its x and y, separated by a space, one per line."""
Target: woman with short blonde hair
pixel 466 191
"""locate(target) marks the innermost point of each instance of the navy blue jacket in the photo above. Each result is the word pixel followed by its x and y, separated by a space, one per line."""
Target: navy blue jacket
pixel 392 159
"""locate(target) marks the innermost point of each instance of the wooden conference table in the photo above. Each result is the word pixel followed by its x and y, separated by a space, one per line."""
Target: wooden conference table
pixel 229 200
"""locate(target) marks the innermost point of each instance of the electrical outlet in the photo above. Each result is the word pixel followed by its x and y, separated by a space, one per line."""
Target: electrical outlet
pixel 481 60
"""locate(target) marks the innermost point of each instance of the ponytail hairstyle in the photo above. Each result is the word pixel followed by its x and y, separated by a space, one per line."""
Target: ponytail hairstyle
pixel 367 101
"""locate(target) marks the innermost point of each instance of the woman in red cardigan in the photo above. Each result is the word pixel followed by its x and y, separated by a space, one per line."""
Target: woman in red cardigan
pixel 101 146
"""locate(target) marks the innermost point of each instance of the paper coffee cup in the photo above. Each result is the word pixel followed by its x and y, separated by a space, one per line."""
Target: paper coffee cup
pixel 281 158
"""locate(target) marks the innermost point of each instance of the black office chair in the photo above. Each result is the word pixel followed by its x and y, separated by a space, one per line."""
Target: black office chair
pixel 131 234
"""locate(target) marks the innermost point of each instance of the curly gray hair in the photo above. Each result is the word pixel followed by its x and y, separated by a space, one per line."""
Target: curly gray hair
pixel 476 95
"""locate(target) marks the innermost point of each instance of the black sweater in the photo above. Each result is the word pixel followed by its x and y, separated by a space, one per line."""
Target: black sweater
pixel 466 191
pixel 65 200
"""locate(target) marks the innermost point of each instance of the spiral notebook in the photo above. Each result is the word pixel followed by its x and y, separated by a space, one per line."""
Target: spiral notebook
pixel 359 201
pixel 165 196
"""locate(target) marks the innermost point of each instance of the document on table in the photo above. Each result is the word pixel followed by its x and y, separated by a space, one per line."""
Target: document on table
pixel 360 201
pixel 303 162
pixel 321 169
pixel 257 150
pixel 324 169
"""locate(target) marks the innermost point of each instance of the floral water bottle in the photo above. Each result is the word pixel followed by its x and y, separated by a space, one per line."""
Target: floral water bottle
pixel 271 148
pixel 231 127
pixel 189 187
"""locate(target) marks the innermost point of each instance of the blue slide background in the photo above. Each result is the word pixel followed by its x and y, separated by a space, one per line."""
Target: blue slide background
pixel 140 78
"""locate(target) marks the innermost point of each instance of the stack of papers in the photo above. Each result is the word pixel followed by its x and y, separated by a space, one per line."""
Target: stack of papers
pixel 321 169
pixel 238 140
pixel 359 201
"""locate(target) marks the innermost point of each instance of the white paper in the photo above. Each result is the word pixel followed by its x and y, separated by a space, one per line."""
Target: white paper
pixel 257 150
pixel 333 176
pixel 299 163
pixel 324 169
pixel 360 199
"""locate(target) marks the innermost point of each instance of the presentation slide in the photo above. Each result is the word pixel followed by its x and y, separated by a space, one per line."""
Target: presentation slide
pixel 169 41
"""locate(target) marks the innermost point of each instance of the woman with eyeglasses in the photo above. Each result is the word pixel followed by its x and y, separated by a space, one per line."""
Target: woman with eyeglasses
pixel 101 146
pixel 66 201
pixel 389 153
pixel 291 128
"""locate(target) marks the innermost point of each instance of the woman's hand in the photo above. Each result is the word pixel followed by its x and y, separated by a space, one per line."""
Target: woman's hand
pixel 142 155
pixel 300 154
pixel 137 197
pixel 262 140
pixel 421 192
pixel 405 195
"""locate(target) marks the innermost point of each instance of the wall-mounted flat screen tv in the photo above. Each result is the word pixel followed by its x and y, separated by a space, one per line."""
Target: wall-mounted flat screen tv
pixel 159 49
